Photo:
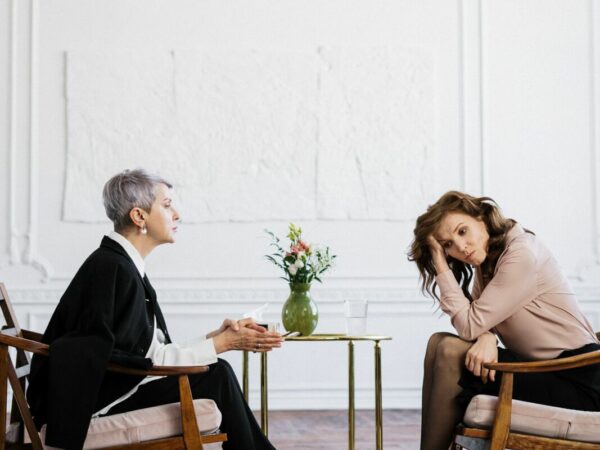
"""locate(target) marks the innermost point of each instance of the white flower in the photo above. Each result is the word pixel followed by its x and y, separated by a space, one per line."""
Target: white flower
pixel 300 256
pixel 299 264
pixel 292 269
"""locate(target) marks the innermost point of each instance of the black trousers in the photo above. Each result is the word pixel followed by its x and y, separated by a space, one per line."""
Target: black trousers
pixel 219 384
pixel 573 389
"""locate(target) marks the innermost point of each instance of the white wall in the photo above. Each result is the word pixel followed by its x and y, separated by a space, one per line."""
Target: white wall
pixel 348 117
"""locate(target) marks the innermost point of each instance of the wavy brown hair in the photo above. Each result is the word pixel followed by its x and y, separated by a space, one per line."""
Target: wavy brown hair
pixel 481 208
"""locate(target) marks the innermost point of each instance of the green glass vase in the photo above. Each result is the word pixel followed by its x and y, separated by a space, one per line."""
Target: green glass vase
pixel 300 312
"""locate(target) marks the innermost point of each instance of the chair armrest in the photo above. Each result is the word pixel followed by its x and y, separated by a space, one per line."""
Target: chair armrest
pixel 552 365
pixel 43 349
pixel 24 344
pixel 158 370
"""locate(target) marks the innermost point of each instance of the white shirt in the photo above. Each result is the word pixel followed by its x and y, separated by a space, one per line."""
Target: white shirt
pixel 199 353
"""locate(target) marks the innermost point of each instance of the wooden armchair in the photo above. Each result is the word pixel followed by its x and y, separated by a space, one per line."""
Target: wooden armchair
pixel 521 425
pixel 184 434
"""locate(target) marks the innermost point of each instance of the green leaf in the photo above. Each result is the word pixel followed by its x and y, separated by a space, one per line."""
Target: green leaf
pixel 274 261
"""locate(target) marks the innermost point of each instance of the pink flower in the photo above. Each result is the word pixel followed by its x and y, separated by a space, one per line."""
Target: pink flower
pixel 303 245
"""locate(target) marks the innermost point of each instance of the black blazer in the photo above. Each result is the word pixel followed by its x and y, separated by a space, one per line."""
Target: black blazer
pixel 102 316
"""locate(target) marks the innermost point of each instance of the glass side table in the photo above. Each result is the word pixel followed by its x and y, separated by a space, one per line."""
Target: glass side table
pixel 264 404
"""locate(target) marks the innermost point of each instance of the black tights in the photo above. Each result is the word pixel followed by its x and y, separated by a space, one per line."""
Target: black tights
pixel 441 412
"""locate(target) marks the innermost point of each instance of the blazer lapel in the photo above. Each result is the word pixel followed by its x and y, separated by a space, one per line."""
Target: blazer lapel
pixel 160 320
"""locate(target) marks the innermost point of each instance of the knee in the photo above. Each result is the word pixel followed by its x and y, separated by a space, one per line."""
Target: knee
pixel 433 343
pixel 223 367
pixel 224 363
pixel 435 339
pixel 450 351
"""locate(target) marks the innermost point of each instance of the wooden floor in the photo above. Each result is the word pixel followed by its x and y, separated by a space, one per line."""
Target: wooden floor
pixel 328 430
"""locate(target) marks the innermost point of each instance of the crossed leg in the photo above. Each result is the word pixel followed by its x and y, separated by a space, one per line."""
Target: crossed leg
pixel 444 362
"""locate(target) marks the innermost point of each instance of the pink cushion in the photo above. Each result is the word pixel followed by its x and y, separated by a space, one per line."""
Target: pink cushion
pixel 541 420
pixel 147 424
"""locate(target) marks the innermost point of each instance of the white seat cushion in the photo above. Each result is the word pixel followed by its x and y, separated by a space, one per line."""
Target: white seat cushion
pixel 147 424
pixel 541 420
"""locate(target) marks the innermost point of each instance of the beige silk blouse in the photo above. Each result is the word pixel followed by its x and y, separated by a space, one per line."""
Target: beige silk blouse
pixel 528 303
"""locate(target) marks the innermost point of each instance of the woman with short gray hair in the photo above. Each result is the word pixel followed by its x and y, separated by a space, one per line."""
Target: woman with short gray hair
pixel 110 312
pixel 127 190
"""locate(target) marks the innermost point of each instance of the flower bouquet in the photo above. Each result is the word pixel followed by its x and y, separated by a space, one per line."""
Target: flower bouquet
pixel 301 264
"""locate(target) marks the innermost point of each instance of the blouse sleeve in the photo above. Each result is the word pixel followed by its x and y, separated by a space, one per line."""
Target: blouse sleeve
pixel 199 353
pixel 511 288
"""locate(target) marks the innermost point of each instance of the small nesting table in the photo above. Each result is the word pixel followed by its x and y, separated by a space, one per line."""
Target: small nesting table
pixel 264 405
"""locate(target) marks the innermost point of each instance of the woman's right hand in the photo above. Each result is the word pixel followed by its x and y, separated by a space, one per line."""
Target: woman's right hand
pixel 438 254
pixel 249 336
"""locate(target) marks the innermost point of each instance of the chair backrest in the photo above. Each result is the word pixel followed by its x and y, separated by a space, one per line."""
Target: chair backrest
pixel 17 373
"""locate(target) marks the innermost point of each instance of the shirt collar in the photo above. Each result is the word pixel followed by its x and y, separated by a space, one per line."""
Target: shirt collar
pixel 131 251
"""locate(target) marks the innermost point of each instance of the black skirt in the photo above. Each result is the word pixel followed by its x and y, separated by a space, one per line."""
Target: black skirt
pixel 573 389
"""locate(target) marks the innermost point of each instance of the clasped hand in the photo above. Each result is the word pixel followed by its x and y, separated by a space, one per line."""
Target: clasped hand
pixel 484 350
pixel 244 334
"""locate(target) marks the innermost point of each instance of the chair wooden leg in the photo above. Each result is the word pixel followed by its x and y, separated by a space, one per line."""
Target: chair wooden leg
pixel 191 433
pixel 3 386
pixel 19 396
pixel 501 427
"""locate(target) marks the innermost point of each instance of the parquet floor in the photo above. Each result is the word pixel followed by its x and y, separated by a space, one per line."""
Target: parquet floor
pixel 328 430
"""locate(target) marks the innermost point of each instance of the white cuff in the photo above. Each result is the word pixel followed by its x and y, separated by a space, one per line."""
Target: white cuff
pixel 205 351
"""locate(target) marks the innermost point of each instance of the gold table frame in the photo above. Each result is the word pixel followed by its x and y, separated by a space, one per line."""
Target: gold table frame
pixel 264 404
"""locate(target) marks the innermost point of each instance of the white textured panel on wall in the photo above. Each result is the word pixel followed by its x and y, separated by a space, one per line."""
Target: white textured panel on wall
pixel 375 133
pixel 246 134
pixel 253 135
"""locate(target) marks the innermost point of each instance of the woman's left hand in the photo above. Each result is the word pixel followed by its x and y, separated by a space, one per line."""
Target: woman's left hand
pixel 484 350
pixel 227 323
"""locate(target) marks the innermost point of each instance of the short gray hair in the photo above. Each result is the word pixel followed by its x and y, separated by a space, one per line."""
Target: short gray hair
pixel 127 190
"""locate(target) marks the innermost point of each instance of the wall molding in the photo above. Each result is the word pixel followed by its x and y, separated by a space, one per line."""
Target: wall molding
pixel 13 234
pixel 405 299
pixel 23 146
pixel 591 270
pixel 393 297
pixel 594 46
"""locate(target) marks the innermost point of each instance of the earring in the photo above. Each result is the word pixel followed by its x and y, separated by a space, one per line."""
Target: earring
pixel 144 230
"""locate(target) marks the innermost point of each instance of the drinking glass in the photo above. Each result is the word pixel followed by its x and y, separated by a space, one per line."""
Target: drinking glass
pixel 356 317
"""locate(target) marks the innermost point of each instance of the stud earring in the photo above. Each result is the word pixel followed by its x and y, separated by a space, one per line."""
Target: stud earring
pixel 144 230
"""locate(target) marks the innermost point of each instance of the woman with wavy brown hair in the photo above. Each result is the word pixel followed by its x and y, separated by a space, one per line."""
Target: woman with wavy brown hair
pixel 519 296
